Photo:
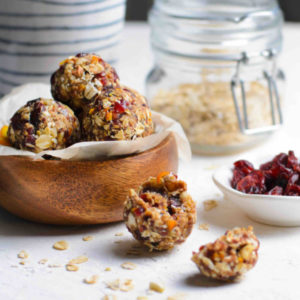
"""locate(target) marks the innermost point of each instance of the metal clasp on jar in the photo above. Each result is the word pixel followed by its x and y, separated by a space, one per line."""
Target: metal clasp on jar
pixel 274 98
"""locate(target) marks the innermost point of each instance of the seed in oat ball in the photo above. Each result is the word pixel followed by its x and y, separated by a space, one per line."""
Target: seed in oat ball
pixel 72 268
pixel 23 254
pixel 230 256
pixel 160 214
pixel 43 124
pixel 117 114
pixel 61 245
pixel 81 77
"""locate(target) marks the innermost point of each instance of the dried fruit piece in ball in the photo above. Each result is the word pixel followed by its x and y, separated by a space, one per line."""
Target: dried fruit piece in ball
pixel 230 256
pixel 160 213
pixel 81 77
pixel 43 124
pixel 117 114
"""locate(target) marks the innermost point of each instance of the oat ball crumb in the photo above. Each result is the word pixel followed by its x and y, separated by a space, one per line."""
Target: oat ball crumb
pixel 160 213
pixel 43 124
pixel 230 256
pixel 80 78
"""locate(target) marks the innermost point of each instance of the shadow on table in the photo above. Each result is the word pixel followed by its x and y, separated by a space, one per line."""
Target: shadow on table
pixel 11 225
pixel 199 280
pixel 227 216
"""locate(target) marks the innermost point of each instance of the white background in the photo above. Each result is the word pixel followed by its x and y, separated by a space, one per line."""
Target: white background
pixel 276 275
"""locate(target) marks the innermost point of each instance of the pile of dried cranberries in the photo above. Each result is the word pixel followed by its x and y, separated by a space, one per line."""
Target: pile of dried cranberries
pixel 280 176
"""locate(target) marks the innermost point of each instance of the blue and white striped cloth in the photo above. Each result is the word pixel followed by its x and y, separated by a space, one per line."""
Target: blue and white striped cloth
pixel 35 35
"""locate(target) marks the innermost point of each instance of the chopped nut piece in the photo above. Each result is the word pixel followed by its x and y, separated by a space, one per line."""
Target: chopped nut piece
pixel 61 245
pixel 23 254
pixel 203 226
pixel 92 280
pixel 107 269
pixel 78 260
pixel 119 234
pixel 72 268
pixel 157 287
pixel 128 266
pixel 109 297
pixel 43 261
pixel 87 238
pixel 210 204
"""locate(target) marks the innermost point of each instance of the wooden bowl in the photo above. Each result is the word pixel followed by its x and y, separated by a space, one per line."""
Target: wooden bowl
pixel 78 192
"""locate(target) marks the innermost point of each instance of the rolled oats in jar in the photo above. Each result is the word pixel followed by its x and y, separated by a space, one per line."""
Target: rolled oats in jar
pixel 215 71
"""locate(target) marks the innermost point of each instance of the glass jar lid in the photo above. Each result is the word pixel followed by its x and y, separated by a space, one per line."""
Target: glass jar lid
pixel 215 28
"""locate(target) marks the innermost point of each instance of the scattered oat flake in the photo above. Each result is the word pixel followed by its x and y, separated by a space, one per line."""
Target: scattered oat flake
pixel 87 238
pixel 124 286
pixel 211 167
pixel 54 265
pixel 142 298
pixel 23 254
pixel 43 261
pixel 22 262
pixel 157 287
pixel 210 204
pixel 203 226
pixel 91 280
pixel 114 285
pixel 109 297
pixel 179 296
pixel 119 234
pixel 78 260
pixel 127 285
pixel 128 266
pixel 61 245
pixel 107 269
pixel 72 268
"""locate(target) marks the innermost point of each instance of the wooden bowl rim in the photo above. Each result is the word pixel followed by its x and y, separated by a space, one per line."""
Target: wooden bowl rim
pixel 108 159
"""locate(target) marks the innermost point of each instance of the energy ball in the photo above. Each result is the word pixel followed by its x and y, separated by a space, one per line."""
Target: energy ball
pixel 117 114
pixel 230 256
pixel 160 213
pixel 81 77
pixel 43 124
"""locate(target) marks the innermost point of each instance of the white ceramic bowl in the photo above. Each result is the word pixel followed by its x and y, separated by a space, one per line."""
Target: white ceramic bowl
pixel 267 209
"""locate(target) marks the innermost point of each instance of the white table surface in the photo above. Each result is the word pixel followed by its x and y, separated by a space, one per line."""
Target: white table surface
pixel 276 275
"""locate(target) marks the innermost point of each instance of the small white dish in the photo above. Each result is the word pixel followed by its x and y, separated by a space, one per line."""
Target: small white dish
pixel 267 209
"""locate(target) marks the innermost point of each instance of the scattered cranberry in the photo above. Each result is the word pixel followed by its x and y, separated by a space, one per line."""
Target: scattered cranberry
pixel 280 176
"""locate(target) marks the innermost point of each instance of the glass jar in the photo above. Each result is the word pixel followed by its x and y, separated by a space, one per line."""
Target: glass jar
pixel 215 70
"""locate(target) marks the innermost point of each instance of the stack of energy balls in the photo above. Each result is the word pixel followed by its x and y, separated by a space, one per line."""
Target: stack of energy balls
pixel 90 105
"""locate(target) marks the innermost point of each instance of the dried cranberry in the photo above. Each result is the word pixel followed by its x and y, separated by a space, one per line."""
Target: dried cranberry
pixel 120 107
pixel 138 211
pixel 293 190
pixel 81 54
pixel 254 183
pixel 241 169
pixel 277 190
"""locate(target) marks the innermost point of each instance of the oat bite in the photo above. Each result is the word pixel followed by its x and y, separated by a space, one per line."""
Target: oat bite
pixel 117 114
pixel 43 124
pixel 230 256
pixel 81 77
pixel 160 213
